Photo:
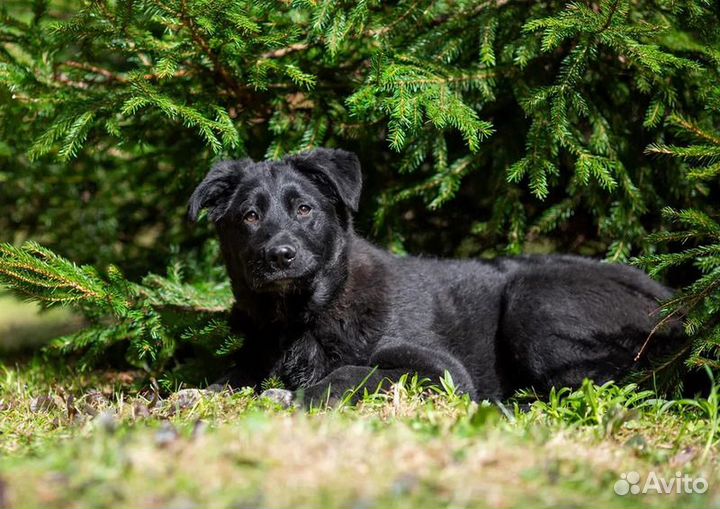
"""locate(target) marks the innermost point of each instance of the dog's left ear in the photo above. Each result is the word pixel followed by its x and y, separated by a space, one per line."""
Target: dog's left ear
pixel 334 168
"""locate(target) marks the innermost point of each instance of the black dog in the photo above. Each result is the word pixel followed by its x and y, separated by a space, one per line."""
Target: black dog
pixel 325 310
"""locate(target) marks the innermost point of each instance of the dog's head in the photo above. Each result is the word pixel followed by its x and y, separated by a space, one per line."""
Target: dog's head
pixel 281 222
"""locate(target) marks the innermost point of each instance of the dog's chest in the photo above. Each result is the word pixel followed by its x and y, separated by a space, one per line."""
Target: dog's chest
pixel 331 343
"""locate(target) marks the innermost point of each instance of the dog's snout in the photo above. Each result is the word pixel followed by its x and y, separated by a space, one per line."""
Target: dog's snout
pixel 282 255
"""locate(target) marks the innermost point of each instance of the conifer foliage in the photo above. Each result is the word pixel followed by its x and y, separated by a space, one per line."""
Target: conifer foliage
pixel 698 234
pixel 484 127
pixel 149 318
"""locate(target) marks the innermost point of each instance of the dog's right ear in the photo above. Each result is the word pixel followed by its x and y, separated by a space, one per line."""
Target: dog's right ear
pixel 216 190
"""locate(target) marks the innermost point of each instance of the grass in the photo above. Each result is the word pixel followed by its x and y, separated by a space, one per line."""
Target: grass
pixel 89 441
pixel 22 326
pixel 103 439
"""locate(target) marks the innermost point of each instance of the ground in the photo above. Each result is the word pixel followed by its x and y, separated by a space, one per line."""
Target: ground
pixel 100 439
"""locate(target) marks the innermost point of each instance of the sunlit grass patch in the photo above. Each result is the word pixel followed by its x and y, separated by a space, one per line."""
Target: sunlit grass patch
pixel 91 441
pixel 23 325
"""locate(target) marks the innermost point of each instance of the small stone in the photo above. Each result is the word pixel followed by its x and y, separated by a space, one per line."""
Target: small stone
pixel 4 502
pixel 683 457
pixel 95 399
pixel 87 409
pixel 42 404
pixel 166 435
pixel 216 388
pixel 282 397
pixel 72 411
pixel 106 421
pixel 140 411
pixel 186 398
pixel 636 442
pixel 405 484
pixel 199 429
pixel 181 503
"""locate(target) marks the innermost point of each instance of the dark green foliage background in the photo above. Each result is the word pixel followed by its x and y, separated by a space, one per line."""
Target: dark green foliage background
pixel 484 127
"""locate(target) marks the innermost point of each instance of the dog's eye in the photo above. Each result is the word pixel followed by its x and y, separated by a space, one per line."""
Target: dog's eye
pixel 251 217
pixel 304 210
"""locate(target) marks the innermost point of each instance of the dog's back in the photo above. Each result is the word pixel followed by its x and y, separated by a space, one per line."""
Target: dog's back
pixel 569 318
pixel 531 321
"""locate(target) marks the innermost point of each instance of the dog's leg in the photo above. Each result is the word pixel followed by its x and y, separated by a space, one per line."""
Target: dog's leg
pixel 348 382
pixel 391 362
pixel 426 362
pixel 337 385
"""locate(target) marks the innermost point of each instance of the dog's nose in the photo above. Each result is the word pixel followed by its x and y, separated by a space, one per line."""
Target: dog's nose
pixel 282 256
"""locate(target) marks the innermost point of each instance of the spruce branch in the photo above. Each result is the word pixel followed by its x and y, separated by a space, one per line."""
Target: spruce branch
pixel 151 317
pixel 699 301
pixel 530 113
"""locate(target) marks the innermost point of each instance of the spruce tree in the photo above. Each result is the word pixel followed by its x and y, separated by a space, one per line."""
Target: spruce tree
pixel 484 127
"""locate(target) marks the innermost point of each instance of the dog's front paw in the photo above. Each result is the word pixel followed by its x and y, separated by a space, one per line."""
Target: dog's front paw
pixel 282 397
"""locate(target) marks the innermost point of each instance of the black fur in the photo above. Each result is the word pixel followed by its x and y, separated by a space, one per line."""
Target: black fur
pixel 335 310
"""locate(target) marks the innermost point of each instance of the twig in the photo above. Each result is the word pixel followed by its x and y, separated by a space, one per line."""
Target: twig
pixel 218 67
pixel 696 130
pixel 610 17
pixel 692 302
pixel 191 309
pixel 665 364
pixel 439 21
pixel 95 70
pixel 386 29
pixel 448 80
pixel 279 53
pixel 62 78
pixel 111 77
pixel 652 333
pixel 477 10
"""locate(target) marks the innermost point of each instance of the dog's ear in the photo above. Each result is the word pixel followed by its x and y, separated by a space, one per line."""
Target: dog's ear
pixel 335 169
pixel 216 190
